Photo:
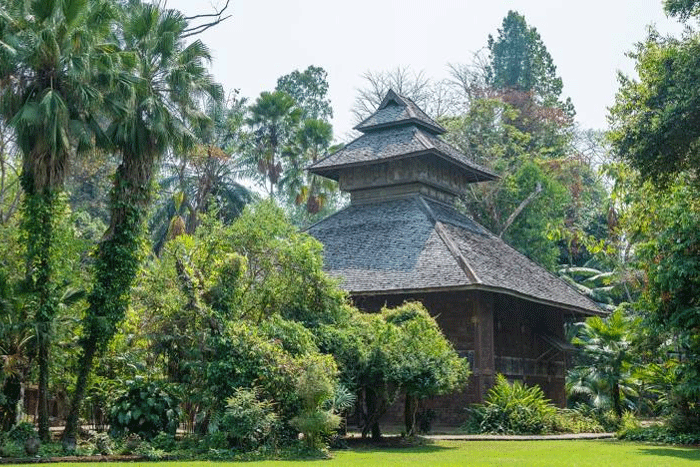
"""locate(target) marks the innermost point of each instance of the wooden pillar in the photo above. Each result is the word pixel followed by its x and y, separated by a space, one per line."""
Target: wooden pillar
pixel 484 364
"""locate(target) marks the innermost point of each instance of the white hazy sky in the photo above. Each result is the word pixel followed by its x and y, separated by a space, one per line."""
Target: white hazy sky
pixel 265 39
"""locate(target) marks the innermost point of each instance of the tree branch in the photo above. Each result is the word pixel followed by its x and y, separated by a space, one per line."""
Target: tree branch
pixel 520 208
pixel 198 29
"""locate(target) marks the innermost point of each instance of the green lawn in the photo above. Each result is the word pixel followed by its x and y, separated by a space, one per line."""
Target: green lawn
pixel 482 453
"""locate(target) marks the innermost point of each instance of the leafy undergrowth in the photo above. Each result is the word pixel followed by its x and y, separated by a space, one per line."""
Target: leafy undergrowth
pixel 659 434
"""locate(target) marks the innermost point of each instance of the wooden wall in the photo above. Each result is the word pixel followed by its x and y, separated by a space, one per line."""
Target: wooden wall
pixel 498 334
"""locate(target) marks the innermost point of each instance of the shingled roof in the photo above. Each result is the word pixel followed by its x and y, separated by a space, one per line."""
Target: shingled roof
pixel 394 143
pixel 398 129
pixel 416 245
pixel 396 110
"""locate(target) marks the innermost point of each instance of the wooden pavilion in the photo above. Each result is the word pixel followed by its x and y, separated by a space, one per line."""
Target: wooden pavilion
pixel 401 239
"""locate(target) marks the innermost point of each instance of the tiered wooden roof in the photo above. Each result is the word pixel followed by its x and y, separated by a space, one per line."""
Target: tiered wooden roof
pixel 405 240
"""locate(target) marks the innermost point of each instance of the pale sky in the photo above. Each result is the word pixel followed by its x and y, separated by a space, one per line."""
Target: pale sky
pixel 265 39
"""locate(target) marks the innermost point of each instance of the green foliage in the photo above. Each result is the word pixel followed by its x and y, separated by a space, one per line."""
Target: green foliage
pixel 51 450
pixel 399 350
pixel 308 88
pixel 682 9
pixel 164 441
pixel 296 339
pixel 247 421
pixel 660 434
pixel 424 361
pixel 512 409
pixel 576 421
pixel 315 386
pixel 671 299
pixel 283 273
pixel 519 60
pixel 273 117
pixel 603 377
pixel 145 409
pixel 654 120
pixel 22 432
pixel 243 358
pixel 12 449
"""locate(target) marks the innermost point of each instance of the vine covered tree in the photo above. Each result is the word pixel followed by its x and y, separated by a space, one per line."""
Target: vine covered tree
pixel 48 64
pixel 152 109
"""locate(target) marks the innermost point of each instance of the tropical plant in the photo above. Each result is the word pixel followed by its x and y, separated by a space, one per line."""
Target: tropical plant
pixel 146 408
pixel 274 118
pixel 512 408
pixel 156 101
pixel 206 178
pixel 604 376
pixel 315 386
pixel 247 421
pixel 50 54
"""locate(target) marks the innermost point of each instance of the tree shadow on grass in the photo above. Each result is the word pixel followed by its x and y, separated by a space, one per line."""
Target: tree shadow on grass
pixel 687 453
pixel 425 449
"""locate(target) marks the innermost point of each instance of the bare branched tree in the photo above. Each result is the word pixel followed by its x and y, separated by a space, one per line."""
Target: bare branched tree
pixel 434 97
pixel 468 80
pixel 201 22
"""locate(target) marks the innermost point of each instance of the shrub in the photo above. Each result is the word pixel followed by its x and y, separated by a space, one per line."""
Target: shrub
pixel 247 422
pixel 659 434
pixel 145 409
pixel 12 448
pixel 316 387
pixel 103 443
pixel 164 441
pixel 512 409
pixel 242 357
pixel 22 432
pixel 606 418
pixel 574 421
pixel 51 450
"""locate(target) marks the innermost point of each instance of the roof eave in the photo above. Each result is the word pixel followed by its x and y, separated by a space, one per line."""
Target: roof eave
pixel 331 171
pixel 485 288
pixel 434 128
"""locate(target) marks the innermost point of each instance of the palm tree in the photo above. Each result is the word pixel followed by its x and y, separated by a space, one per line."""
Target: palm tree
pixel 206 177
pixel 274 118
pixel 311 141
pixel 48 52
pixel 156 102
pixel 606 368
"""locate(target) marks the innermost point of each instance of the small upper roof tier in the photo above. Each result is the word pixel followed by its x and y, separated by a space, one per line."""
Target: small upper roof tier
pixel 395 110
pixel 400 131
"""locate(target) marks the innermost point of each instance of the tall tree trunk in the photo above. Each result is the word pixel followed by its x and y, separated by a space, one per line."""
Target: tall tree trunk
pixel 39 213
pixel 617 404
pixel 85 365
pixel 43 342
pixel 410 409
pixel 116 267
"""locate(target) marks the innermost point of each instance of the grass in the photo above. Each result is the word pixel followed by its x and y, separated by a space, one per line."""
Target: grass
pixel 580 453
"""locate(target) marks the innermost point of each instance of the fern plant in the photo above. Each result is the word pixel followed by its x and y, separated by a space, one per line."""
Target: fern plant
pixel 512 409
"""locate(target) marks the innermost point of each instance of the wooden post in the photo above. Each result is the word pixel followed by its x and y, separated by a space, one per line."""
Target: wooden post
pixel 484 362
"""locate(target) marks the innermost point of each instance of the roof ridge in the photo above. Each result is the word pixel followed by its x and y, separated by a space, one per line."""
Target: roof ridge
pixel 491 235
pixel 449 243
pixel 422 139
